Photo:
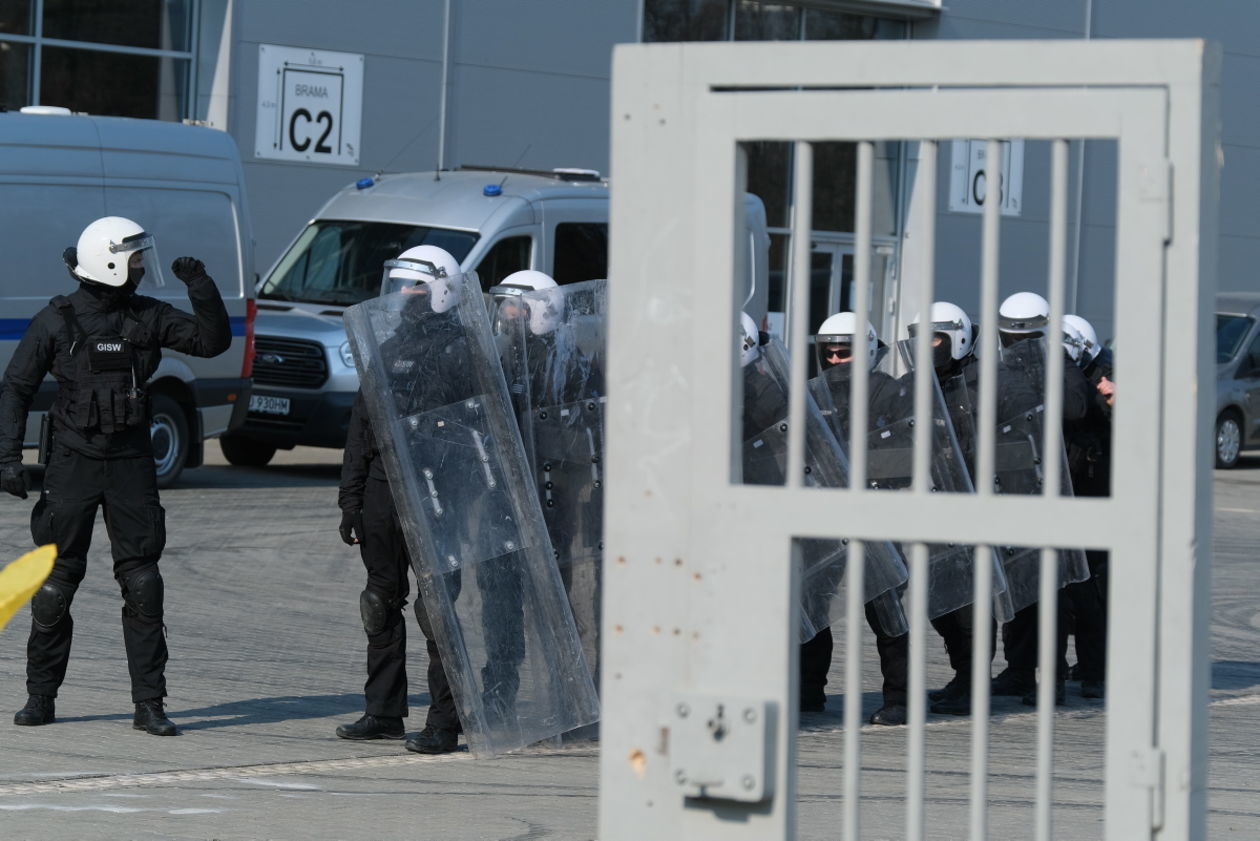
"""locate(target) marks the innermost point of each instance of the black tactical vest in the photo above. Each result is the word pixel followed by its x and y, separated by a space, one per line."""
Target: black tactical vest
pixel 103 391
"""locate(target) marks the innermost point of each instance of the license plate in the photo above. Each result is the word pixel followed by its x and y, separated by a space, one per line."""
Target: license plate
pixel 268 405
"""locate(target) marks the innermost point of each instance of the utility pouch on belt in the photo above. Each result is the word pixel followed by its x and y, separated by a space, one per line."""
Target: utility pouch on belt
pixel 45 438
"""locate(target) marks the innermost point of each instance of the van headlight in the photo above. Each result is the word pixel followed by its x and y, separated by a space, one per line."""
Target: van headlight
pixel 347 357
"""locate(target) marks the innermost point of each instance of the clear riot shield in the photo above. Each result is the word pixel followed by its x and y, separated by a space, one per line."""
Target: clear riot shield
pixel 952 462
pixel 552 345
pixel 765 462
pixel 1018 465
pixel 890 465
pixel 441 414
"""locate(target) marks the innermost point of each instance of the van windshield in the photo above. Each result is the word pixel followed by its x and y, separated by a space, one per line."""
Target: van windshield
pixel 1230 332
pixel 340 262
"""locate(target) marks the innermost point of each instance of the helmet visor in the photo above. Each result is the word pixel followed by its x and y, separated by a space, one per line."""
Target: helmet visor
pixel 402 274
pixel 144 267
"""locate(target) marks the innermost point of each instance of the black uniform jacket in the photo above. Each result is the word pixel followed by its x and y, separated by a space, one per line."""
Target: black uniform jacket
pixel 425 364
pixel 49 343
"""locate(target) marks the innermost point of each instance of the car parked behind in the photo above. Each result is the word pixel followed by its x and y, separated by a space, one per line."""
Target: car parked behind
pixel 1237 375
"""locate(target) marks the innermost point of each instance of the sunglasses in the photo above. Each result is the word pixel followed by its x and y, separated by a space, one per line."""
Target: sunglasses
pixel 837 352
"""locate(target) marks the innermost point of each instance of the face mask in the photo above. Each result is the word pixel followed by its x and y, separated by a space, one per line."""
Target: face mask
pixel 940 355
pixel 134 276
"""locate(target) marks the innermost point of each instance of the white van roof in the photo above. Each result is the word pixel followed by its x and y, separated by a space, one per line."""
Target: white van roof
pixel 458 199
pixel 126 147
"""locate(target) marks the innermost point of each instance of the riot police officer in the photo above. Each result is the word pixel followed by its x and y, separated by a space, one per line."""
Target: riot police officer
pixel 838 344
pixel 428 275
pixel 957 371
pixel 1089 461
pixel 1023 322
pixel 102 343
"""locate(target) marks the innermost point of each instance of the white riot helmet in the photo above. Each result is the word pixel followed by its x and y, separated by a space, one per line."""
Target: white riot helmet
pixel 950 321
pixel 431 268
pixel 113 250
pixel 749 340
pixel 540 295
pixel 1085 336
pixel 842 329
pixel 1023 315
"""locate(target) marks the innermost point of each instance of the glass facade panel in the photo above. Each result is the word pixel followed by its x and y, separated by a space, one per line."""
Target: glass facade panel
pixel 156 24
pixel 755 21
pixel 15 18
pixel 88 80
pixel 838 26
pixel 15 75
pixel 684 20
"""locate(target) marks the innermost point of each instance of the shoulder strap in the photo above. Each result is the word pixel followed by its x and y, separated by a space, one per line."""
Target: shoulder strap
pixel 66 308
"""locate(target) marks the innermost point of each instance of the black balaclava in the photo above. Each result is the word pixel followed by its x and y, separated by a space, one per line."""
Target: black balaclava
pixel 110 297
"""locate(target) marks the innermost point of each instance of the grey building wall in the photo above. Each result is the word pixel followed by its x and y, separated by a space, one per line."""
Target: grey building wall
pixel 1235 25
pixel 528 86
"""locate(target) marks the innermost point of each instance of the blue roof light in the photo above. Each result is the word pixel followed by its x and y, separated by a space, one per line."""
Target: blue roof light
pixel 492 190
pixel 364 183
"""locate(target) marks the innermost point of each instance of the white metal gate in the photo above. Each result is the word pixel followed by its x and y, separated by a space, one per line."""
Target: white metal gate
pixel 699 694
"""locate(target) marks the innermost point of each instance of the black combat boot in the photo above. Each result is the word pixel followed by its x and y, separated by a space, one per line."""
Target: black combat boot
pixel 1013 683
pixel 959 684
pixel 890 715
pixel 1060 695
pixel 151 718
pixel 39 710
pixel 433 740
pixel 372 727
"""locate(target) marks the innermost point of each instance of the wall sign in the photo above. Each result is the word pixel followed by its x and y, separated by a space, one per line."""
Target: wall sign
pixel 310 105
pixel 972 181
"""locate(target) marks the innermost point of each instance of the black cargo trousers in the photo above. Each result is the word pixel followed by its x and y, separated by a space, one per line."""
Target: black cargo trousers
pixel 125 489
pixel 384 552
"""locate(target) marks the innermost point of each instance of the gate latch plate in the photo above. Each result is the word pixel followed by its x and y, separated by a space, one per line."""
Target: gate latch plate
pixel 722 747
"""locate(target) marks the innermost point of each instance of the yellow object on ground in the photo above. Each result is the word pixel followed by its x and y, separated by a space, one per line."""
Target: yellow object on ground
pixel 20 579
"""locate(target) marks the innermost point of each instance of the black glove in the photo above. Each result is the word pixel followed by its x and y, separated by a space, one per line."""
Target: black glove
pixel 188 269
pixel 13 479
pixel 351 527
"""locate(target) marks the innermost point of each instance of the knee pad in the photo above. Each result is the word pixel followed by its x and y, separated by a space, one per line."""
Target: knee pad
pixel 143 592
pixel 375 611
pixel 49 605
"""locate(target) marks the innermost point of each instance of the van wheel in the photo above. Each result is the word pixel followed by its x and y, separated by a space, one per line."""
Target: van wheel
pixel 169 432
pixel 246 452
pixel 1228 440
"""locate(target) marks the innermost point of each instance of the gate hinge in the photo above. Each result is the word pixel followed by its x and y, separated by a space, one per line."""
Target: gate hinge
pixel 1156 186
pixel 1147 771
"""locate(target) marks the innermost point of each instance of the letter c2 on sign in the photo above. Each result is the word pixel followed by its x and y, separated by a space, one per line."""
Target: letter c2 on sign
pixel 302 143
pixel 980 188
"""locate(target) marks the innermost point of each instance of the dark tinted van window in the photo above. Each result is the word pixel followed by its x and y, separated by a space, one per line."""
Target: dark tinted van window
pixel 505 257
pixel 581 252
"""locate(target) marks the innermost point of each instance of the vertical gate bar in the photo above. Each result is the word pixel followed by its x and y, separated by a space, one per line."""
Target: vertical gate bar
pixel 798 295
pixel 991 232
pixel 919 578
pixel 860 381
pixel 1048 650
pixel 856 567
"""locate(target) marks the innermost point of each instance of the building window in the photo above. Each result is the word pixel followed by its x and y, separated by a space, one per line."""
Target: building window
pixel 106 57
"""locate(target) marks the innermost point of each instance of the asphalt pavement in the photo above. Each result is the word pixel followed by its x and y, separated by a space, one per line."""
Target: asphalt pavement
pixel 267 659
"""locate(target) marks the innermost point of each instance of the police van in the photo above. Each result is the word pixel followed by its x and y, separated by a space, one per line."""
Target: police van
pixel 60 171
pixel 494 221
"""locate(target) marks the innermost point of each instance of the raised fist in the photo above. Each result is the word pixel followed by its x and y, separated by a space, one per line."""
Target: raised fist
pixel 188 268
